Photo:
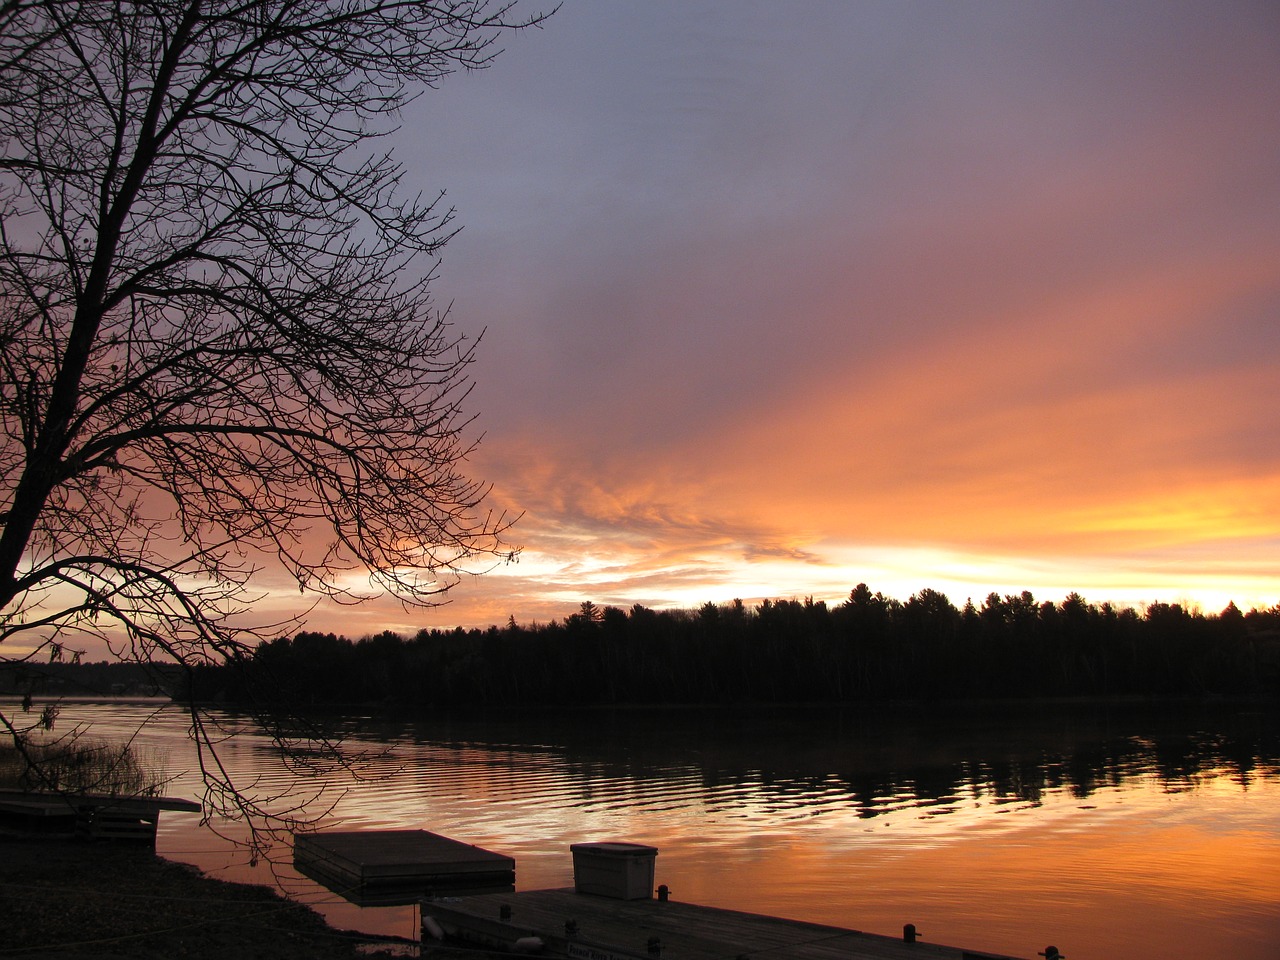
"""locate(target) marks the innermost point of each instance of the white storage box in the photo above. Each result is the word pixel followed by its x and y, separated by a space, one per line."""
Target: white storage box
pixel 623 871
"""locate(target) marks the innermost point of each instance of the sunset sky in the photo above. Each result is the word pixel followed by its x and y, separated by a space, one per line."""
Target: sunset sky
pixel 782 297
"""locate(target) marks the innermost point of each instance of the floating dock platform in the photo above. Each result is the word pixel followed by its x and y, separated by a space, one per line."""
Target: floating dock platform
pixel 564 923
pixel 96 816
pixel 399 866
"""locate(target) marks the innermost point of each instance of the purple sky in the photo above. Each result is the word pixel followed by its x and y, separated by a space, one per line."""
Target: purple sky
pixel 781 297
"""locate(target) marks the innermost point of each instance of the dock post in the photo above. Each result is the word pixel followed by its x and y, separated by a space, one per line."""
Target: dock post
pixel 909 933
pixel 664 893
pixel 1051 953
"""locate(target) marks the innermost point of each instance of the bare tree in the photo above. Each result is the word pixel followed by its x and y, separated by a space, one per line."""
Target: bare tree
pixel 218 351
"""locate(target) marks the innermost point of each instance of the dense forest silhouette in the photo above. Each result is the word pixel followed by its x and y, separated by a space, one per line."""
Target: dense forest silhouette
pixel 867 648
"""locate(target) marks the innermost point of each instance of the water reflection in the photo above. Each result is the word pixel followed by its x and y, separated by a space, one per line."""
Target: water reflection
pixel 1113 833
pixel 801 763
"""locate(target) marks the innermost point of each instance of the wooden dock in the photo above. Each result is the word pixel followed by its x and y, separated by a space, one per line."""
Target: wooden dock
pixel 562 923
pixel 399 866
pixel 91 815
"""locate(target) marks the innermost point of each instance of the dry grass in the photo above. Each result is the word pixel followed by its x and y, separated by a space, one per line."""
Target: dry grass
pixel 77 764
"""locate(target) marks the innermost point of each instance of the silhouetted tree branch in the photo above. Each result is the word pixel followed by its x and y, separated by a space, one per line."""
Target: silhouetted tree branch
pixel 217 345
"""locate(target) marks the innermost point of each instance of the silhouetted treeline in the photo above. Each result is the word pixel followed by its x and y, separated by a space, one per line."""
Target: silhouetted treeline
pixel 97 679
pixel 867 648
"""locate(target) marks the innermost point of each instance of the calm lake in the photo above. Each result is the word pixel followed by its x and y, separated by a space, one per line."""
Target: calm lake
pixel 1111 833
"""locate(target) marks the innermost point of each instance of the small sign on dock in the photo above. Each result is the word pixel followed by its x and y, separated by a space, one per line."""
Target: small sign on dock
pixel 399 866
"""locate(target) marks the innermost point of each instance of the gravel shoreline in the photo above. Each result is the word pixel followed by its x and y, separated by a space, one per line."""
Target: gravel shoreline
pixel 66 899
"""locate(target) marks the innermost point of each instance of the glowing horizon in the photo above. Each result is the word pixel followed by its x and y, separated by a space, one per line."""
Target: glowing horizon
pixel 983 298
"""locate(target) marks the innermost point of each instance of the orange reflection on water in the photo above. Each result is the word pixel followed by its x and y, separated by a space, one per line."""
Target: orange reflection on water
pixel 1115 840
pixel 1153 880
